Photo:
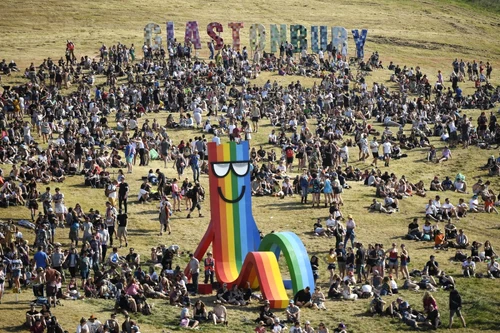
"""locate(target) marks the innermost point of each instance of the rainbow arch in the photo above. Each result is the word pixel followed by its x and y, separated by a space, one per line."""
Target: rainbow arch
pixel 295 255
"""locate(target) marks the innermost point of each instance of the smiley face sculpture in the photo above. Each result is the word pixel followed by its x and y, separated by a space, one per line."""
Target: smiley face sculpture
pixel 239 253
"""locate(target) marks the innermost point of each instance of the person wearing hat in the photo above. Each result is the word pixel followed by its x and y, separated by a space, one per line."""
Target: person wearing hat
pixel 219 313
pixel 278 327
pixel 83 326
pixel 292 312
pixel 261 327
pixel 94 324
pixel 341 328
pixel 266 316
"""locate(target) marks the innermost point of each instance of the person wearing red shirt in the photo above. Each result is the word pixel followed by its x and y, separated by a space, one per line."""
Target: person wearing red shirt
pixel 38 326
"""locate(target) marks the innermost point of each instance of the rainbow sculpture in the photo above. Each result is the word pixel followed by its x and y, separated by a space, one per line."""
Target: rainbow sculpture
pixel 240 255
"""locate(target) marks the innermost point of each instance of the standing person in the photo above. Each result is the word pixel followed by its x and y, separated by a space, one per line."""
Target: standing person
pixel 122 219
pixel 350 225
pixel 405 259
pixel 165 212
pixel 142 151
pixel 57 258
pixel 165 151
pixel 387 149
pixel 123 191
pixel 331 259
pixel 195 194
pixel 255 112
pixel 41 258
pixel 104 238
pixel 374 148
pixel 129 155
pixel 46 199
pixel 315 186
pixel 72 262
pixel 111 221
pixel 59 208
pixel 51 277
pixel 161 181
pixel 176 195
pixel 455 306
pixel 393 259
pixel 2 281
pixel 112 193
pixel 70 48
pixel 15 266
pixel 194 269
pixel 304 186
pixel 209 264
pixel 194 163
pixel 33 202
pixel 359 261
pixel 180 164
pixel 211 48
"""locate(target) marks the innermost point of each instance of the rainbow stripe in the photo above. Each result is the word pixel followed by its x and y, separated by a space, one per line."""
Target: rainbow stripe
pixel 235 235
pixel 235 238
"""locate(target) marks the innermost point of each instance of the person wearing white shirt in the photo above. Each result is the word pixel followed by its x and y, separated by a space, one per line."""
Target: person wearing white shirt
pixel 431 211
pixel 216 139
pixel 387 149
pixel 374 148
pixel 344 154
pixel 469 267
pixel 448 209
pixel 437 203
pixel 83 326
pixel 474 204
pixel 104 237
pixel 331 223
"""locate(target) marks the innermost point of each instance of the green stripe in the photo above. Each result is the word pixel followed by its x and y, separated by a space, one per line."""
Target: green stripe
pixel 236 211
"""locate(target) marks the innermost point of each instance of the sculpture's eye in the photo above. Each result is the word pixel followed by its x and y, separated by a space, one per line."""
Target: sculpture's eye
pixel 240 168
pixel 221 169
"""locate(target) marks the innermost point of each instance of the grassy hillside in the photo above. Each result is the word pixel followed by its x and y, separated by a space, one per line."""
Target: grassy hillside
pixel 427 33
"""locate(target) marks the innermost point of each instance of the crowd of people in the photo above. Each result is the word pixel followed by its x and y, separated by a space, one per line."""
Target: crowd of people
pixel 47 136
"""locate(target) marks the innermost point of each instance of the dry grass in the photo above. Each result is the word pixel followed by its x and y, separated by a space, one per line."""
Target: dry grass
pixel 430 34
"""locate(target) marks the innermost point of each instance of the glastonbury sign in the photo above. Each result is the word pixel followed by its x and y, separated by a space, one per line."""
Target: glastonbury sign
pixel 315 39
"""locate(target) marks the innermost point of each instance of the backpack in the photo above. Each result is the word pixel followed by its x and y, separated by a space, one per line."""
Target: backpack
pixel 42 301
pixel 84 264
pixel 190 193
pixel 146 309
pixel 74 227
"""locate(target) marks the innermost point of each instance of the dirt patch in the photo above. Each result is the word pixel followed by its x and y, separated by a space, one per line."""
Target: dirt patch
pixel 459 28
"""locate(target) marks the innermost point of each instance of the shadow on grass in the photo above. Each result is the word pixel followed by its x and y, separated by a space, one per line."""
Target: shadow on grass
pixel 19 328
pixel 138 232
pixel 287 205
